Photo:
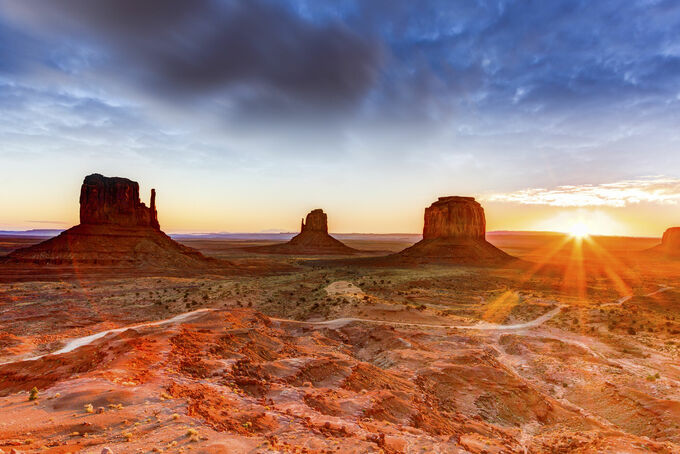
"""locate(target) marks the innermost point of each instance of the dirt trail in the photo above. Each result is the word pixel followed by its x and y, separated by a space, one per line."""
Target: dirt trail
pixel 623 299
pixel 334 324
pixel 482 326
pixel 340 322
pixel 86 340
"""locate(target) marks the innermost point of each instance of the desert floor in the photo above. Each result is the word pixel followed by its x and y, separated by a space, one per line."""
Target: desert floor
pixel 573 349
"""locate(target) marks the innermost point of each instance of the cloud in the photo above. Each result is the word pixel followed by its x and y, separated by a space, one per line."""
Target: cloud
pixel 421 61
pixel 660 190
pixel 252 50
pixel 579 86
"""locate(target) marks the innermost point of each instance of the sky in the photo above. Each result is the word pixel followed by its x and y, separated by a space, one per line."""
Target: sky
pixel 245 115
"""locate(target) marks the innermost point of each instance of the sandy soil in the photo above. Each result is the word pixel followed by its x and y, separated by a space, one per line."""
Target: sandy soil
pixel 569 356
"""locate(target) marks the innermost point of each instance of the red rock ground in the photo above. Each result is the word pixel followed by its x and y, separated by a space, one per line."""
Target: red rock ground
pixel 237 381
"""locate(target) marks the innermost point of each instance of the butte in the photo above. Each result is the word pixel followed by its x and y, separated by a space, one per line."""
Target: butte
pixel 454 234
pixel 313 239
pixel 455 231
pixel 670 243
pixel 116 231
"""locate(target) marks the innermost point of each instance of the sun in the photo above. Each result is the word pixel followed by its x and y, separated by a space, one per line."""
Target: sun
pixel 579 230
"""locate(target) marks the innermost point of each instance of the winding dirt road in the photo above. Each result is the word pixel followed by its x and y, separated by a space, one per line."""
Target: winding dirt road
pixel 623 299
pixel 334 324
pixel 482 326
pixel 86 340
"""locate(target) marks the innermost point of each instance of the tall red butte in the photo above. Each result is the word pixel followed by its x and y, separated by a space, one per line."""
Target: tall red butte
pixel 455 231
pixel 116 229
pixel 115 201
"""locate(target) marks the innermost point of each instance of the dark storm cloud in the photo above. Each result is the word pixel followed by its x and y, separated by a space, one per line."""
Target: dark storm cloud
pixel 533 76
pixel 395 58
pixel 187 48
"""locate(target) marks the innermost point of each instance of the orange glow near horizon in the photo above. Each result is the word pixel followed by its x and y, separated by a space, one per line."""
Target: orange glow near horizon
pixel 232 207
pixel 582 259
pixel 579 230
pixel 244 219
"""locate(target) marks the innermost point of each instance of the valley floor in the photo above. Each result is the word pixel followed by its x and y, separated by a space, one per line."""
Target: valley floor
pixel 578 354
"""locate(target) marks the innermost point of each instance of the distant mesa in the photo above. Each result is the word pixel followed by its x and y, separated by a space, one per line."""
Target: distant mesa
pixel 670 242
pixel 116 229
pixel 671 239
pixel 313 239
pixel 455 231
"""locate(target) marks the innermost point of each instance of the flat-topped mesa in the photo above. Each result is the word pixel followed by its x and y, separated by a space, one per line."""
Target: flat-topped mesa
pixel 670 241
pixel 316 221
pixel 454 232
pixel 115 201
pixel 455 218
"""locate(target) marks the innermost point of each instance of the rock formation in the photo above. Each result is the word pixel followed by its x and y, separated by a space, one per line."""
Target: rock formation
pixel 317 221
pixel 455 231
pixel 115 201
pixel 670 242
pixel 116 230
pixel 313 239
pixel 455 217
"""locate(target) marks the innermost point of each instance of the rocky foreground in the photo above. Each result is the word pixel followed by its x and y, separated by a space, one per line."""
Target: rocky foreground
pixel 236 381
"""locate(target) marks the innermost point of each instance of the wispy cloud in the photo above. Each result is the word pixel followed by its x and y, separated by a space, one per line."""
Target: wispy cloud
pixel 661 190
